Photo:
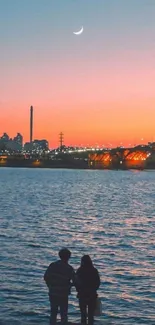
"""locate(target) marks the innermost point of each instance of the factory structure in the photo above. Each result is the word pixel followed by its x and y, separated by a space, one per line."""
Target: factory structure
pixel 36 153
pixel 31 124
pixel 35 145
pixel 11 144
pixel 16 144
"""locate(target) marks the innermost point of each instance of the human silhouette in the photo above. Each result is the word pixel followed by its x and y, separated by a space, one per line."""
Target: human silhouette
pixel 88 283
pixel 59 277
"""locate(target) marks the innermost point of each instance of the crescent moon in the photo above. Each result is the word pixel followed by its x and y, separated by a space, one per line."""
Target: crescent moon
pixel 79 32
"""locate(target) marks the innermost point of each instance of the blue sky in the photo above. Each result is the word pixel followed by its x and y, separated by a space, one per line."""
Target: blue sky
pixel 34 21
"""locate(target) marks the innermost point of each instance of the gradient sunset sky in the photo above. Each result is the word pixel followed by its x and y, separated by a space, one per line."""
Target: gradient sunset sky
pixel 97 88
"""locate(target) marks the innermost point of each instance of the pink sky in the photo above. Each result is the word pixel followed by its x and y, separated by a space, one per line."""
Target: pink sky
pixel 98 88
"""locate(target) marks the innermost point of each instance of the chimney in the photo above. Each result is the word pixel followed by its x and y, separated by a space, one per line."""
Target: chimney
pixel 31 123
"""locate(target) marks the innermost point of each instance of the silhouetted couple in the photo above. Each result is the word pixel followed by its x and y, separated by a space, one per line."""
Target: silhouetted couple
pixel 60 277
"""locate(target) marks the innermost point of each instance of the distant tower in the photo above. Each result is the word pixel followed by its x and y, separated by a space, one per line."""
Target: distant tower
pixel 31 123
pixel 61 140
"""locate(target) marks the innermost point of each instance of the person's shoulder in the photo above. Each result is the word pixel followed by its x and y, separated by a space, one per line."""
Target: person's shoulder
pixel 71 268
pixel 96 271
pixel 53 264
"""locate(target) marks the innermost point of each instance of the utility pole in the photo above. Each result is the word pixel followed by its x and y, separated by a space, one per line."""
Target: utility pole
pixel 61 140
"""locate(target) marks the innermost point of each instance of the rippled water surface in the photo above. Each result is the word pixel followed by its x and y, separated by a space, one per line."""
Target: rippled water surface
pixel 107 214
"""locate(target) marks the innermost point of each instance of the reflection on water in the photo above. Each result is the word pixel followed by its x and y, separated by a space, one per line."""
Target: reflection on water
pixel 107 214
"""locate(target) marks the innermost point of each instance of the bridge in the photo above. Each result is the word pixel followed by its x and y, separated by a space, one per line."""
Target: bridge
pixel 124 158
pixel 139 157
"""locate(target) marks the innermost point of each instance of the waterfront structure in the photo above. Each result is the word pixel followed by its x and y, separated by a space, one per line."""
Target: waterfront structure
pixel 36 146
pixel 5 137
pixel 28 147
pixel 19 139
pixel 40 145
pixel 31 124
pixel 139 157
pixel 11 145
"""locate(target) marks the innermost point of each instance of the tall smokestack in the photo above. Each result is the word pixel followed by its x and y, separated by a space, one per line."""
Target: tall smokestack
pixel 31 123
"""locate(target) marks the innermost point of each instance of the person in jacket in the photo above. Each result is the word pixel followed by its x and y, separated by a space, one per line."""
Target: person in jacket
pixel 88 283
pixel 59 278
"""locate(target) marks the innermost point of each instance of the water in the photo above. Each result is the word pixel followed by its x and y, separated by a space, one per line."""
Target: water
pixel 107 214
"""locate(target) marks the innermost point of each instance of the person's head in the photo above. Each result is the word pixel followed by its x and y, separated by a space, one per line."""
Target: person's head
pixel 64 254
pixel 86 261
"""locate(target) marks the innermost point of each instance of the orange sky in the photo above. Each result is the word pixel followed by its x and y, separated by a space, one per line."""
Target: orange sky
pixel 97 88
pixel 101 123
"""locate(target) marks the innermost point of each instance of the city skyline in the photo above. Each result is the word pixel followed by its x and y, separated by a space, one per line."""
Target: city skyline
pixel 60 143
pixel 97 87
